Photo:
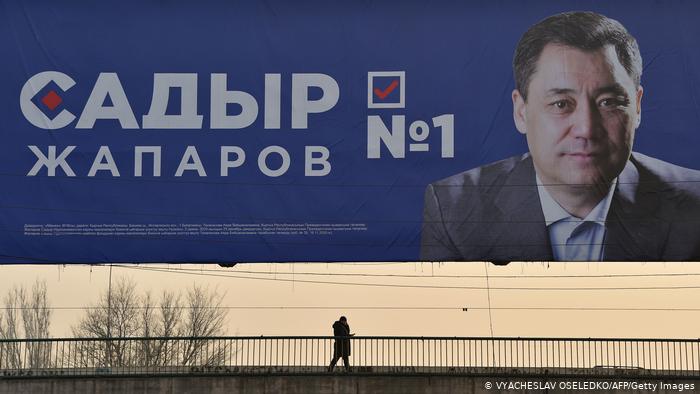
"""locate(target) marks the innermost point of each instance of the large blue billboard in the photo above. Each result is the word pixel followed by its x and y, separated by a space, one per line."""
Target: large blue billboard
pixel 263 131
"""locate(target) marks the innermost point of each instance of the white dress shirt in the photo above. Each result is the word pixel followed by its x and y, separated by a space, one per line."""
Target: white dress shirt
pixel 575 239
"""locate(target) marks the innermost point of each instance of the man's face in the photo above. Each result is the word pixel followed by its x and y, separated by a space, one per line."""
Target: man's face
pixel 580 115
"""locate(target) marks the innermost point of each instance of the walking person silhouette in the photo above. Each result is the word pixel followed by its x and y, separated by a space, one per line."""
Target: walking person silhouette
pixel 341 347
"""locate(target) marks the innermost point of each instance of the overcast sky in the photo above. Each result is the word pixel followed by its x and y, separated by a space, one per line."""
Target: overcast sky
pixel 283 285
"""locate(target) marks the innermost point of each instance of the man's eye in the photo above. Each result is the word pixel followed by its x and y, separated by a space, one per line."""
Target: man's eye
pixel 613 102
pixel 561 105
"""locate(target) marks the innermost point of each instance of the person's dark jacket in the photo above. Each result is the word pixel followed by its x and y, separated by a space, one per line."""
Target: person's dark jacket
pixel 342 341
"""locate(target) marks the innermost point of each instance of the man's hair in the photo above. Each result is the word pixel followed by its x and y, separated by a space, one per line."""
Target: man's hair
pixel 586 31
pixel 343 318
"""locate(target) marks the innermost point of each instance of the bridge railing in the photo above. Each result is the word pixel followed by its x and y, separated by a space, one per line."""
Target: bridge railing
pixel 593 357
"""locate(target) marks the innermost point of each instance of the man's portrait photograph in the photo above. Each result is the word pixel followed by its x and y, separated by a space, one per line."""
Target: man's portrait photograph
pixel 581 192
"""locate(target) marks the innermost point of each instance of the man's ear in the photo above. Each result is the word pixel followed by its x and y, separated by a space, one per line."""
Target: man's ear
pixel 519 115
pixel 640 93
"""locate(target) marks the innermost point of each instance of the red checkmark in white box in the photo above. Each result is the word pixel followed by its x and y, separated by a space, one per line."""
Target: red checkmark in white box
pixel 383 93
pixel 376 94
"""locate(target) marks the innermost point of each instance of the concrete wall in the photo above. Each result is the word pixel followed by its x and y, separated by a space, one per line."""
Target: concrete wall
pixel 332 384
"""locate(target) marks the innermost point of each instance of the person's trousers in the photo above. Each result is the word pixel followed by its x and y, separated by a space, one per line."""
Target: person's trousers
pixel 335 359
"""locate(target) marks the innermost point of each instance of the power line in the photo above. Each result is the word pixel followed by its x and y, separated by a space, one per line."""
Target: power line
pixel 421 308
pixel 179 271
pixel 589 309
pixel 430 276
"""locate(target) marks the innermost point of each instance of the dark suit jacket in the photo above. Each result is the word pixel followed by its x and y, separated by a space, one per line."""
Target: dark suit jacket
pixel 493 213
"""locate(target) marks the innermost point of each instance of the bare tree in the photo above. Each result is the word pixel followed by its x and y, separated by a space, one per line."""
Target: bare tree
pixel 115 315
pixel 26 315
pixel 191 317
pixel 204 318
